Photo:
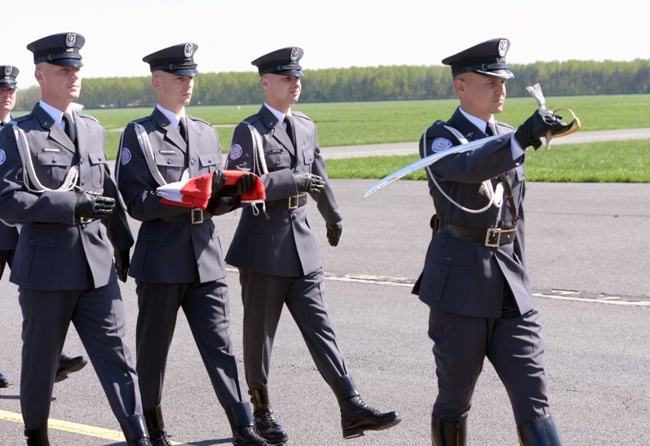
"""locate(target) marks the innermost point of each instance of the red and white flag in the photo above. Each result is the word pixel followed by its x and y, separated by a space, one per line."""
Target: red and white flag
pixel 196 192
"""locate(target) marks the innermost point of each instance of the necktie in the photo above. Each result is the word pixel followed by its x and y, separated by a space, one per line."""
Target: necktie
pixel 490 129
pixel 69 130
pixel 181 129
pixel 289 122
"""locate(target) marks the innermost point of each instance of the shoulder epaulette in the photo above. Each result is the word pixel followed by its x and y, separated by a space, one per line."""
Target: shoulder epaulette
pixel 194 118
pixel 87 116
pixel 301 115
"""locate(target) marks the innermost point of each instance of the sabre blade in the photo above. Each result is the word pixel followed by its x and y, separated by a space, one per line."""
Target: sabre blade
pixel 426 161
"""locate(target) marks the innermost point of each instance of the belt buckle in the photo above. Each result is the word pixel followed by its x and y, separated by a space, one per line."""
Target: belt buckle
pixel 492 237
pixel 196 216
pixel 293 202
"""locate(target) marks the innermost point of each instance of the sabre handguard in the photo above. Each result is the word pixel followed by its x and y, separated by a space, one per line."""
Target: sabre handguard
pixel 573 127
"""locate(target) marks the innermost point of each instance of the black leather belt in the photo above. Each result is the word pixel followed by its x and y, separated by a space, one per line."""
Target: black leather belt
pixel 490 237
pixel 292 202
pixel 195 216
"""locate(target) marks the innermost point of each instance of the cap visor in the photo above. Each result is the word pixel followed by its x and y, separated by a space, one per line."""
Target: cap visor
pixel 187 72
pixel 501 74
pixel 66 62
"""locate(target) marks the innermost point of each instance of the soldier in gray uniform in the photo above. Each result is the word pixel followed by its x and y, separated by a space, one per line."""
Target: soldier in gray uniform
pixel 9 234
pixel 165 147
pixel 56 186
pixel 275 249
pixel 474 279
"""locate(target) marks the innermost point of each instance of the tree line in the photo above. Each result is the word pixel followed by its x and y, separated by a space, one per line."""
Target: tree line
pixel 356 84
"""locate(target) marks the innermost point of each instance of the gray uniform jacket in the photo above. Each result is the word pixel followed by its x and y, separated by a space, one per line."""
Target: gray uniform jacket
pixel 284 244
pixel 460 275
pixel 54 251
pixel 169 247
pixel 8 234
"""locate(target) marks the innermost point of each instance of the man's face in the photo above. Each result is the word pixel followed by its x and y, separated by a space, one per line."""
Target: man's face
pixel 480 95
pixel 174 91
pixel 7 99
pixel 59 85
pixel 281 91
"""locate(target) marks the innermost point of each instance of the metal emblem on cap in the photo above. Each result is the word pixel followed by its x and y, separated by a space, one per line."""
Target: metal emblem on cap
pixel 70 39
pixel 503 47
pixel 8 70
pixel 294 54
pixel 188 50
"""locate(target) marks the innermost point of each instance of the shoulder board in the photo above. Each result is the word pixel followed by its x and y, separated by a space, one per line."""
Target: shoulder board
pixel 22 118
pixel 87 116
pixel 301 115
pixel 251 119
pixel 504 124
pixel 194 118
pixel 141 120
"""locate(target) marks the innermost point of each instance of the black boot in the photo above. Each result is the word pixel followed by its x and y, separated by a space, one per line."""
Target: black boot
pixel 37 437
pixel 243 430
pixel 356 416
pixel 448 433
pixel 69 365
pixel 135 431
pixel 156 427
pixel 265 422
pixel 540 432
pixel 4 382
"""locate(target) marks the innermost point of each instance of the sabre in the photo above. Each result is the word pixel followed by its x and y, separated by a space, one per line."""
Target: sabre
pixel 427 161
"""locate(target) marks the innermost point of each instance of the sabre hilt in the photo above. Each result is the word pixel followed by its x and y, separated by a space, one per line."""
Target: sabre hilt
pixel 536 92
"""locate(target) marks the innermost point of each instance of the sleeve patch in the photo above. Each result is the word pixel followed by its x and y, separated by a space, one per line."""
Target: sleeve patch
pixel 440 145
pixel 126 156
pixel 235 152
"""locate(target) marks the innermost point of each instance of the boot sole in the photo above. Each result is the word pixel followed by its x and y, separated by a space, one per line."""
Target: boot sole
pixel 359 432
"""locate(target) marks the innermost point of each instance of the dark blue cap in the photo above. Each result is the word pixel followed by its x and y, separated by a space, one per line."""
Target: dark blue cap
pixel 177 59
pixel 8 75
pixel 58 49
pixel 487 58
pixel 283 61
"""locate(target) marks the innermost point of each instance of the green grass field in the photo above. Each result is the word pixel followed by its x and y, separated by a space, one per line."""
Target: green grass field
pixel 356 123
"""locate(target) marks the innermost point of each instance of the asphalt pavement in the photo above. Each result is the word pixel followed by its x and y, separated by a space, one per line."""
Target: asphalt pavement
pixel 587 248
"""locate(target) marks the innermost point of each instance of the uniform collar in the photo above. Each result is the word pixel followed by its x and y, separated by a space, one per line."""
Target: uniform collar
pixel 478 122
pixel 173 117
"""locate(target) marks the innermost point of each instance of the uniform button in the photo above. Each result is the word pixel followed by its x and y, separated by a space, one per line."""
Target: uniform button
pixel 82 182
pixel 191 162
pixel 81 161
pixel 169 161
pixel 210 160
pixel 31 241
pixel 293 217
pixel 448 259
pixel 53 160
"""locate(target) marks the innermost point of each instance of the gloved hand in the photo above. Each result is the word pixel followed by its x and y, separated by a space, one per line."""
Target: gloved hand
pixel 308 182
pixel 218 182
pixel 92 205
pixel 535 127
pixel 243 185
pixel 334 231
pixel 122 262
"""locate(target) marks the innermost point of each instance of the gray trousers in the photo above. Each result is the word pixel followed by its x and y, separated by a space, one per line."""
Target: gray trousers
pixel 207 309
pixel 98 316
pixel 513 345
pixel 264 297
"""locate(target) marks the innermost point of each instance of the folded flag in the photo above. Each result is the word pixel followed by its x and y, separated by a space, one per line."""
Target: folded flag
pixel 191 193
pixel 196 192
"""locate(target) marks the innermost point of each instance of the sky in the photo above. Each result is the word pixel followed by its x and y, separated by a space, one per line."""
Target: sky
pixel 334 33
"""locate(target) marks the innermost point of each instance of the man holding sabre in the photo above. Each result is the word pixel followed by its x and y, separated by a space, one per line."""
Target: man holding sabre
pixel 474 278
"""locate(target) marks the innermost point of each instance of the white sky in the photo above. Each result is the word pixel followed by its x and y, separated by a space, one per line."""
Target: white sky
pixel 333 33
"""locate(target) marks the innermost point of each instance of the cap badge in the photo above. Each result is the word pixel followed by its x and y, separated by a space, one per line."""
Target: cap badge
pixel 188 50
pixel 294 54
pixel 503 47
pixel 70 39
pixel 8 70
